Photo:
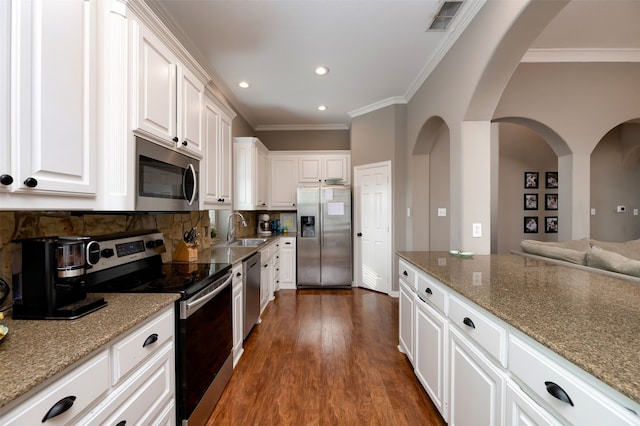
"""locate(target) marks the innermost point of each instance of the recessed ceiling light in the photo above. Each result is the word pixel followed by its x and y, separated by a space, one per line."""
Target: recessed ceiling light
pixel 244 84
pixel 322 108
pixel 322 70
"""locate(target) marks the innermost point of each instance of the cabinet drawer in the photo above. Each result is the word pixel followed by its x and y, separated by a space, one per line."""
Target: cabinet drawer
pixel 141 398
pixel 490 335
pixel 407 273
pixel 432 292
pixel 81 387
pixel 141 344
pixel 575 400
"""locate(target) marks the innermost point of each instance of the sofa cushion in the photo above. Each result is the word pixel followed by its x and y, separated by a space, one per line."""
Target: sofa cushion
pixel 629 249
pixel 612 261
pixel 571 251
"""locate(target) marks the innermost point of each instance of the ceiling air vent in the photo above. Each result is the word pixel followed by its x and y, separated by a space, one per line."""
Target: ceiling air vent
pixel 445 15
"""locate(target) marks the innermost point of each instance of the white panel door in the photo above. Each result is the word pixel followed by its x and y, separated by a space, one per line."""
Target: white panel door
pixel 54 74
pixel 373 235
pixel 209 172
pixel 156 109
pixel 284 173
pixel 225 160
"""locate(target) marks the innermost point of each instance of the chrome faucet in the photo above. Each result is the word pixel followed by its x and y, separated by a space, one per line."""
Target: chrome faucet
pixel 231 227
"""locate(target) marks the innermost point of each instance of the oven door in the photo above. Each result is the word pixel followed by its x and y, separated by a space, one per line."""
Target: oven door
pixel 205 341
pixel 165 180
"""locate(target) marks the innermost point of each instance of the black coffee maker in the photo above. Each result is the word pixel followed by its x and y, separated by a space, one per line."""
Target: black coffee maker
pixel 49 278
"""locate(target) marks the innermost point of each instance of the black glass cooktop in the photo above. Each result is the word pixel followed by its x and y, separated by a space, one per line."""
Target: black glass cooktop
pixel 183 278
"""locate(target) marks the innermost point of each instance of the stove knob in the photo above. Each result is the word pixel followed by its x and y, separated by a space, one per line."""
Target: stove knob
pixel 159 243
pixel 151 244
pixel 107 253
pixel 93 252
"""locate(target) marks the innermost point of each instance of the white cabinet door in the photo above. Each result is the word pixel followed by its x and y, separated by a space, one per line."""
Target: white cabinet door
pixel 284 173
pixel 521 410
pixel 238 312
pixel 407 320
pixel 310 169
pixel 335 167
pixel 217 164
pixel 250 169
pixel 262 177
pixel 157 103
pixel 430 356
pixel 476 385
pixel 287 262
pixel 54 78
pixel 190 107
pixel 225 161
pixel 6 177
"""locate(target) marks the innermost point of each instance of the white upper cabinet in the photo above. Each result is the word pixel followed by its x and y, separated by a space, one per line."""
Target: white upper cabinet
pixel 170 98
pixel 250 173
pixel 216 171
pixel 52 103
pixel 284 172
pixel 323 167
pixel 6 179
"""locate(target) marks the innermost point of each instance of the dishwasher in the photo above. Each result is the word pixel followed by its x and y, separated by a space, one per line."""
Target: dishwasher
pixel 251 270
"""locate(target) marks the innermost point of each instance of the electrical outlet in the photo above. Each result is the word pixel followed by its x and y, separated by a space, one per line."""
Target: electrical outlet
pixel 442 211
pixel 477 230
pixel 635 212
pixel 593 212
pixel 621 209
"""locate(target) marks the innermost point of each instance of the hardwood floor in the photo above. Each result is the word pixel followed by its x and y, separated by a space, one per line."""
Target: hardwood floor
pixel 325 357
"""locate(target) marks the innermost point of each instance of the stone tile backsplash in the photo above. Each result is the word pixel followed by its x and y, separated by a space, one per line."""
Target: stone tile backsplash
pixel 15 225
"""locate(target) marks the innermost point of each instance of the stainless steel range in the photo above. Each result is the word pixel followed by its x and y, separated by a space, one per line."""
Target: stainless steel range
pixel 204 334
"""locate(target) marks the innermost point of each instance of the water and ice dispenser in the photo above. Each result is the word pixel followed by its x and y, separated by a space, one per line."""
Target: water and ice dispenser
pixel 308 225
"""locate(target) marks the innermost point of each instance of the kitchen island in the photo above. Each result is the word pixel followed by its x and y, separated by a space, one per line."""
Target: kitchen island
pixel 589 319
pixel 35 351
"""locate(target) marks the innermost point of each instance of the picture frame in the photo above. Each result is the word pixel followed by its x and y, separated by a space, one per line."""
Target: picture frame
pixel 551 179
pixel 551 224
pixel 551 201
pixel 531 180
pixel 531 224
pixel 531 201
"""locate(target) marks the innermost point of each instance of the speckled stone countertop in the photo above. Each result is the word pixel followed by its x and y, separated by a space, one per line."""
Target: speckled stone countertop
pixel 220 254
pixel 34 351
pixel 589 319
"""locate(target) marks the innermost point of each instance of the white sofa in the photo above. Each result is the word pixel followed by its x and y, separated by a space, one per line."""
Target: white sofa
pixel 620 259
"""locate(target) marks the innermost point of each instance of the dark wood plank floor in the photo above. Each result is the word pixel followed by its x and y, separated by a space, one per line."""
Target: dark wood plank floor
pixel 325 357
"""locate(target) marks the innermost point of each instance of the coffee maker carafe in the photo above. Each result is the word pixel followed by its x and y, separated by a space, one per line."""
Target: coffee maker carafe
pixel 264 227
pixel 51 278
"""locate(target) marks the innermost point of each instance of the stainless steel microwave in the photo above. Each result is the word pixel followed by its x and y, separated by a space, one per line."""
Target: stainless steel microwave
pixel 166 180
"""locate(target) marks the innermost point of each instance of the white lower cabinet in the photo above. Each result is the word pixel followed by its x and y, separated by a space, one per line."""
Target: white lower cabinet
pixel 407 319
pixel 430 353
pixel 137 387
pixel 476 384
pixel 288 262
pixel 520 410
pixel 238 312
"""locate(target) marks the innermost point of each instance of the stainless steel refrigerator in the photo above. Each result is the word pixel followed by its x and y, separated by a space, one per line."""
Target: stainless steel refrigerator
pixel 324 236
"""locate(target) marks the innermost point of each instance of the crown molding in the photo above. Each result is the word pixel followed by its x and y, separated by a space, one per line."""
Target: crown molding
pixel 582 55
pixel 378 105
pixel 288 127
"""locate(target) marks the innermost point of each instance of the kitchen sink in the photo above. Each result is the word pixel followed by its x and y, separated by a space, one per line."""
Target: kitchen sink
pixel 244 242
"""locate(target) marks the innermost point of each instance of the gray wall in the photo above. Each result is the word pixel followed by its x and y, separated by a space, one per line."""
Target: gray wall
pixel 297 140
pixel 380 136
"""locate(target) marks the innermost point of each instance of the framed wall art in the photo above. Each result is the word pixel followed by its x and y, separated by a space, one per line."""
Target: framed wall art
pixel 551 224
pixel 531 180
pixel 551 201
pixel 531 201
pixel 551 180
pixel 531 224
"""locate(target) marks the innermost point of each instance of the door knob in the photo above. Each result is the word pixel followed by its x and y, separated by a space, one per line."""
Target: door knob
pixel 359 234
pixel 31 182
pixel 6 179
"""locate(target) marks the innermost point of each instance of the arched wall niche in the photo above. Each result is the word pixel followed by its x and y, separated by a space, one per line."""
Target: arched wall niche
pixel 615 179
pixel 430 174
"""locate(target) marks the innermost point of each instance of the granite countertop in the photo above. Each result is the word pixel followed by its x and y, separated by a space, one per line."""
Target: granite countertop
pixel 34 351
pixel 589 319
pixel 220 254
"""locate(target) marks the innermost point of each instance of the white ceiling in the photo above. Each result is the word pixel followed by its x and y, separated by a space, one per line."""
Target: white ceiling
pixel 378 51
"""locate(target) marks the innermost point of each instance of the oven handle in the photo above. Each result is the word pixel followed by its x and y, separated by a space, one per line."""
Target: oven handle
pixel 191 169
pixel 194 304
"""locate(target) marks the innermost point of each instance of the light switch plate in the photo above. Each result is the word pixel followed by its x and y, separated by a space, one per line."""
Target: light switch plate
pixel 442 211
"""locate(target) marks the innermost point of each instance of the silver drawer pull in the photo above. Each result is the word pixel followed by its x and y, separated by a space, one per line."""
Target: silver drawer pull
pixel 557 392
